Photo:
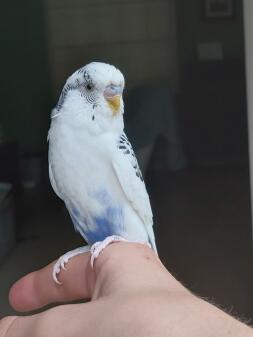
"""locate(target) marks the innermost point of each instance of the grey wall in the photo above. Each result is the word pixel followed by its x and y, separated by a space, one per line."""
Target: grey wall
pixel 194 28
pixel 24 76
pixel 138 36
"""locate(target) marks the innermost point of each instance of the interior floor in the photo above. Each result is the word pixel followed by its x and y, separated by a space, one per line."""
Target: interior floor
pixel 203 230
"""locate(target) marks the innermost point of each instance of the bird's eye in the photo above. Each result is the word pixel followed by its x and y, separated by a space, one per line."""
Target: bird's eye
pixel 89 86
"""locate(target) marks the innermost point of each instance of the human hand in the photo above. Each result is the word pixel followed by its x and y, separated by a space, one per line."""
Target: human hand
pixel 131 294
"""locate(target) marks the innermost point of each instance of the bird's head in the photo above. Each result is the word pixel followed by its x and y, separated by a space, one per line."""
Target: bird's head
pixel 92 97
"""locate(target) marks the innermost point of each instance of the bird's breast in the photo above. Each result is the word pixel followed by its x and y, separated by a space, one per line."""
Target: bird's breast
pixel 89 186
pixel 81 165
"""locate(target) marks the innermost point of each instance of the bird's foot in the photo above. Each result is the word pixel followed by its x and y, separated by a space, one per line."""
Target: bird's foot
pixel 64 259
pixel 99 246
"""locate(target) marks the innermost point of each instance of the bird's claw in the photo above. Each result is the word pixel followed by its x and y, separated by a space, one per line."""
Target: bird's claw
pixel 99 246
pixel 56 271
pixel 60 264
pixel 64 259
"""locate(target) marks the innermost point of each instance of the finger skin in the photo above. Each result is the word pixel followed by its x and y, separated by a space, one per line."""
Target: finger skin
pixel 135 296
pixel 61 321
pixel 159 314
pixel 5 325
pixel 38 289
pixel 128 262
pixel 133 266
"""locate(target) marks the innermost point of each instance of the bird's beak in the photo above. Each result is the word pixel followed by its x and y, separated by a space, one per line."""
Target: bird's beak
pixel 113 95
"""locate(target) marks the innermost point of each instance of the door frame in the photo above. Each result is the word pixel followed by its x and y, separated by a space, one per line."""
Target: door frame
pixel 248 33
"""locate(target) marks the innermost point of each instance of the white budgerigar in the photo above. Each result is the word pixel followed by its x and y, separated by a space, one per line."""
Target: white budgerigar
pixel 92 166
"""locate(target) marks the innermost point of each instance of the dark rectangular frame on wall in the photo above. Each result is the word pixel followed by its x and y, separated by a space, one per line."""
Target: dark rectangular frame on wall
pixel 218 9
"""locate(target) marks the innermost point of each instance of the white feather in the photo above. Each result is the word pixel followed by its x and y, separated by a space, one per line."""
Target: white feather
pixel 86 164
pixel 135 191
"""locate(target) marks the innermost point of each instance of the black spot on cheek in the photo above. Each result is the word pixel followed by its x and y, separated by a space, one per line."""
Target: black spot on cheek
pixel 93 117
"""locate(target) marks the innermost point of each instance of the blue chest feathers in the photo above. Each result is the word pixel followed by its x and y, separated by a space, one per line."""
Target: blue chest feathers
pixel 96 227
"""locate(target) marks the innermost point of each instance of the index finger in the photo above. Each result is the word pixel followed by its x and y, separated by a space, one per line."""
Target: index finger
pixel 38 288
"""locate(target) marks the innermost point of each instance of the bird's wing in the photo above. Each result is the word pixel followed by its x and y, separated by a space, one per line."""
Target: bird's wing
pixel 52 180
pixel 74 214
pixel 130 178
pixel 50 170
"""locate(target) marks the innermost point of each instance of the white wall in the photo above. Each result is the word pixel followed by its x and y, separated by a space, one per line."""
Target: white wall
pixel 248 27
pixel 138 36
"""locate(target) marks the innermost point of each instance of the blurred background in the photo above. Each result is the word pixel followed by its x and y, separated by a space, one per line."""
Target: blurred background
pixel 185 115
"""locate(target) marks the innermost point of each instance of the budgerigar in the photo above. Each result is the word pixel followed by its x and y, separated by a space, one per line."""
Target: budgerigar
pixel 92 166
